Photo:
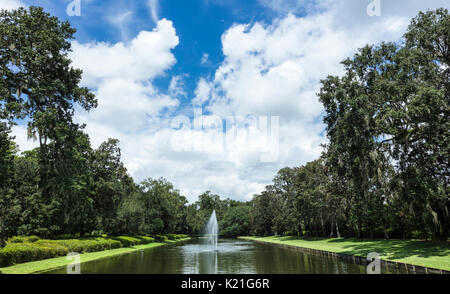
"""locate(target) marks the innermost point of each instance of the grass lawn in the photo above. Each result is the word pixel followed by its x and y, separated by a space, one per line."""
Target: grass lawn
pixel 54 263
pixel 422 253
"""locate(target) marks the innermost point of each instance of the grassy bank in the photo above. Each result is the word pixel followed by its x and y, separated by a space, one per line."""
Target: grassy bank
pixel 89 249
pixel 421 253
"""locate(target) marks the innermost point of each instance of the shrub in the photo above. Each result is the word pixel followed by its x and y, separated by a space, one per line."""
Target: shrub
pixel 16 240
pixel 176 236
pixel 161 238
pixel 26 249
pixel 127 241
pixel 145 239
pixel 19 239
pixel 171 236
pixel 33 239
pixel 23 252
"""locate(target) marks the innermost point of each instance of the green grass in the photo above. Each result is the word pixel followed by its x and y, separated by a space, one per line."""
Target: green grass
pixel 421 253
pixel 54 263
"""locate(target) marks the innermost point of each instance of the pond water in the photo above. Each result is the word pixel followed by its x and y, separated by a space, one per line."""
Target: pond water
pixel 232 256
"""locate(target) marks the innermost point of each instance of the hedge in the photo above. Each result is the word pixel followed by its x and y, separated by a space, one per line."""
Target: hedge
pixel 161 238
pixel 176 236
pixel 26 249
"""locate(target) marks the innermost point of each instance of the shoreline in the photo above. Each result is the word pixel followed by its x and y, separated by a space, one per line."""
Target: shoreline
pixel 45 265
pixel 317 246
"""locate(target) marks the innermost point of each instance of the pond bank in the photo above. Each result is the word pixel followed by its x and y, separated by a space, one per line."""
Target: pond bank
pixel 59 262
pixel 412 255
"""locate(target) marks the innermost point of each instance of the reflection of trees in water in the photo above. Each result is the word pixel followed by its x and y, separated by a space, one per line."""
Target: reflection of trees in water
pixel 208 262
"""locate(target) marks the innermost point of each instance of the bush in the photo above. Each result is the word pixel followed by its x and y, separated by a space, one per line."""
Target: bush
pixel 161 238
pixel 19 239
pixel 145 239
pixel 24 252
pixel 33 239
pixel 128 241
pixel 26 249
pixel 176 236
pixel 16 240
pixel 172 236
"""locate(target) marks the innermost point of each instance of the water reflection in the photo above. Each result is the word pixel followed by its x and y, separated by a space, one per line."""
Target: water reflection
pixel 231 257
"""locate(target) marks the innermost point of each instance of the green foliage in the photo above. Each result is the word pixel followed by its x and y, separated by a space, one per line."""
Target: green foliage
pixel 161 238
pixel 25 249
pixel 236 222
pixel 131 241
pixel 385 170
pixel 176 236
pixel 17 239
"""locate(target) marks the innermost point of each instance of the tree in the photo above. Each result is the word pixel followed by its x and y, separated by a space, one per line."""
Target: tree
pixel 39 85
pixel 391 107
pixel 34 214
pixel 236 222
pixel 111 184
pixel 262 214
pixel 9 206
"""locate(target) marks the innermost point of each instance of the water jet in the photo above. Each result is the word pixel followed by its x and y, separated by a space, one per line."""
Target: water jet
pixel 212 230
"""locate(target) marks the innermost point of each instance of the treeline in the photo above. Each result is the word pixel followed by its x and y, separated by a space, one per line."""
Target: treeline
pixel 385 172
pixel 65 187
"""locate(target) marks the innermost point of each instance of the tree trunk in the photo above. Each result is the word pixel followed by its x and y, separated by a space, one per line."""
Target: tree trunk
pixel 323 227
pixel 300 230
pixel 338 235
pixel 331 229
pixel 358 232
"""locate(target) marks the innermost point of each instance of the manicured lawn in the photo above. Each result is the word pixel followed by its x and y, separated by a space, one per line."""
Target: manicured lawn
pixel 422 253
pixel 54 263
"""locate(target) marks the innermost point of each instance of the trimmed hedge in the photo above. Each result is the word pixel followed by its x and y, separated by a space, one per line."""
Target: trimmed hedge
pixel 161 238
pixel 26 249
pixel 130 241
pixel 23 239
pixel 176 236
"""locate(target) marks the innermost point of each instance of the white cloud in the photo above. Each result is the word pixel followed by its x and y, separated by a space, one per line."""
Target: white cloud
pixel 11 4
pixel 153 6
pixel 276 70
pixel 21 138
pixel 121 20
pixel 205 58
pixel 143 58
pixel 268 69
pixel 176 86
pixel 202 92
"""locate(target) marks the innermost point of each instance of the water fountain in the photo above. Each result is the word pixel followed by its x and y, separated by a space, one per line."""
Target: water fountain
pixel 212 230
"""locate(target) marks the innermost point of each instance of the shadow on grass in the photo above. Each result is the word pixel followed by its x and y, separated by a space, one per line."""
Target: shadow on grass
pixel 399 249
pixel 392 249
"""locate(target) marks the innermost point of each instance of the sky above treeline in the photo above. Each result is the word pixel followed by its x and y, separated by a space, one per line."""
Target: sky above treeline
pixel 156 65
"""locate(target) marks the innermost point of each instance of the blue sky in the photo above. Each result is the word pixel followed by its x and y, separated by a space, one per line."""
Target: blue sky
pixel 154 65
pixel 199 25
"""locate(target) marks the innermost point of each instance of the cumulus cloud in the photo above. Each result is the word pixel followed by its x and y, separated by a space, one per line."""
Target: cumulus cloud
pixel 202 92
pixel 144 58
pixel 11 4
pixel 176 86
pixel 269 69
pixel 276 70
